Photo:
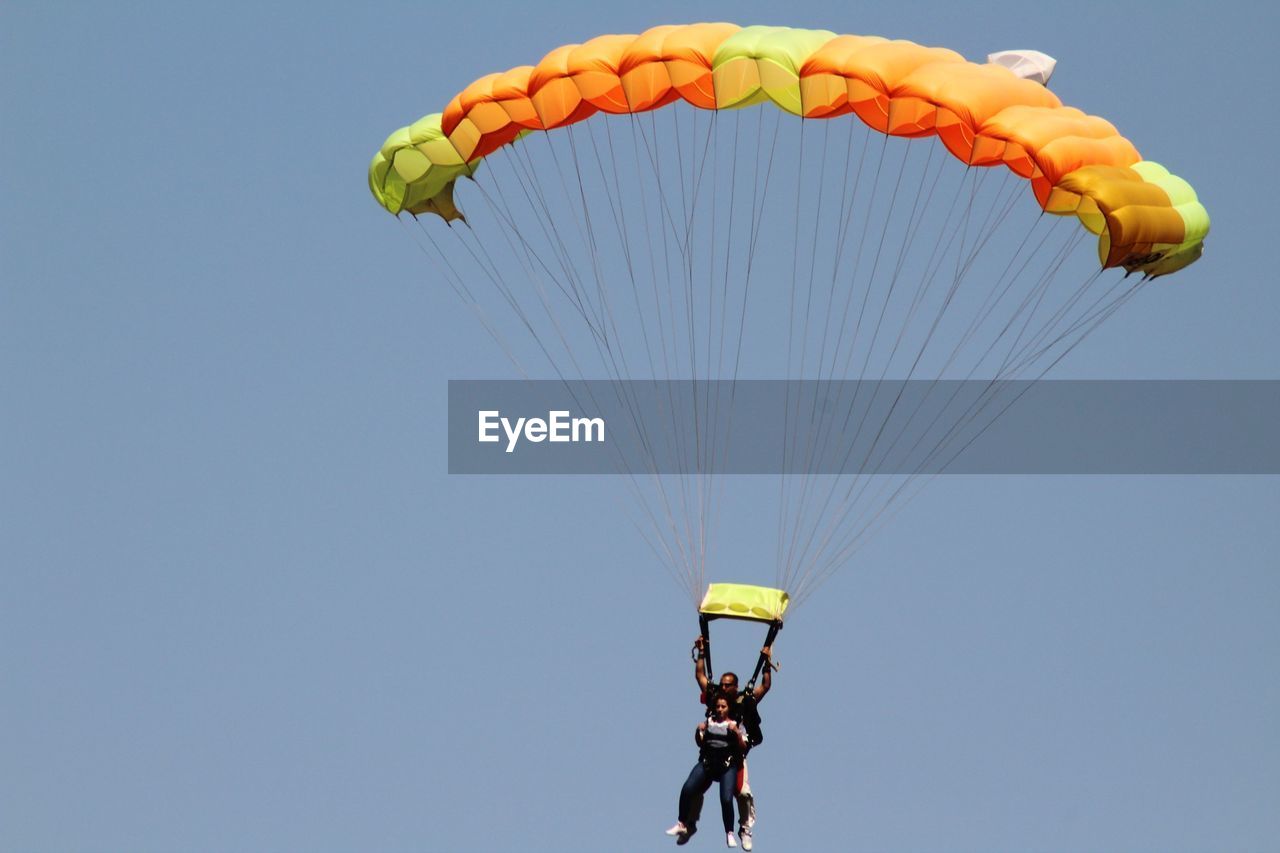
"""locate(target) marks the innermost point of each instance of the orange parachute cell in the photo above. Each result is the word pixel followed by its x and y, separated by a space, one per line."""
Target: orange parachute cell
pixel 594 69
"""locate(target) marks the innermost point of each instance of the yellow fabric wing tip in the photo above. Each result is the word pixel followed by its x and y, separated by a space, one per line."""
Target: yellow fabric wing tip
pixel 742 601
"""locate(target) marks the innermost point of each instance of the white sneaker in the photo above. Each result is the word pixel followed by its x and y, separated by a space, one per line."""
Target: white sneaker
pixel 678 829
pixel 745 834
pixel 729 840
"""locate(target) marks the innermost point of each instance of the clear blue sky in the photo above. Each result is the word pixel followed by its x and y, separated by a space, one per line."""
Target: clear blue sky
pixel 243 606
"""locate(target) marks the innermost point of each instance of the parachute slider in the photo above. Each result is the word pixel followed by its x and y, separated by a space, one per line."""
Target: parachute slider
pixel 742 601
pixel 1027 64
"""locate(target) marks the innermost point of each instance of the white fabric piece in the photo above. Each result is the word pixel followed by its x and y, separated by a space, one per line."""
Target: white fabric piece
pixel 1027 64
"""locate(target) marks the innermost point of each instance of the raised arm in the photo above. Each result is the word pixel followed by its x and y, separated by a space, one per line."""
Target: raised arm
pixel 700 664
pixel 766 678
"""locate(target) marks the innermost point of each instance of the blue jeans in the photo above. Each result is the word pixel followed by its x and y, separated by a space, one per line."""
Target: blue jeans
pixel 700 779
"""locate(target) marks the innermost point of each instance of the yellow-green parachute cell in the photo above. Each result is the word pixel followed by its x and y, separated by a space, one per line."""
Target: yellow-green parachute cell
pixel 1147 219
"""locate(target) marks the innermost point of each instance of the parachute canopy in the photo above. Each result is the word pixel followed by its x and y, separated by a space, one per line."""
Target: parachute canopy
pixel 1146 219
pixel 871 244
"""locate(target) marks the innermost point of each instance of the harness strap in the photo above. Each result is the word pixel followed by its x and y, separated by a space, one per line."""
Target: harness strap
pixel 705 626
pixel 762 662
